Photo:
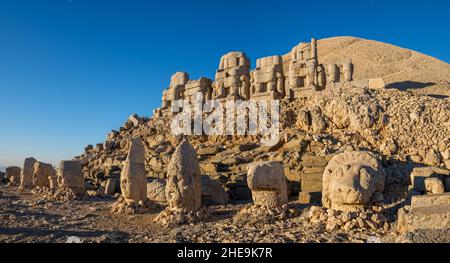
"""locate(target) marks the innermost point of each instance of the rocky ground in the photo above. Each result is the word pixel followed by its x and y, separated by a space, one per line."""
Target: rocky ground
pixel 27 219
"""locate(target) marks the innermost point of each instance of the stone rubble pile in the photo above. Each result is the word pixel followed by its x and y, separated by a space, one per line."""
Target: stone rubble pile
pixel 351 146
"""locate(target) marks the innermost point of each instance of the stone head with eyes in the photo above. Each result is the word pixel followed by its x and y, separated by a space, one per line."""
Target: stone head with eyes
pixel 352 179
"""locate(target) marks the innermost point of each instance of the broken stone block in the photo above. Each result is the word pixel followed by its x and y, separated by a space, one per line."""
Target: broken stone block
pixel 133 179
pixel 135 120
pixel 110 186
pixel 377 83
pixel 156 190
pixel 71 175
pixel 420 201
pixel 26 177
pixel 208 150
pixel 42 173
pixel 352 179
pixel 434 185
pixel 209 168
pixel 426 212
pixel 420 174
pixel 13 175
pixel 268 183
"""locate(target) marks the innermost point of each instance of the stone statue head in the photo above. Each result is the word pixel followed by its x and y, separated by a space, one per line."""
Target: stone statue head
pixel 352 178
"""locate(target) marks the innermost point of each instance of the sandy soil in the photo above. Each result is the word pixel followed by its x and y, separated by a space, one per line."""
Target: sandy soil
pixel 25 219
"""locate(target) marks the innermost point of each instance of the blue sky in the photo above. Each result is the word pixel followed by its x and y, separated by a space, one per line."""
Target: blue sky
pixel 70 71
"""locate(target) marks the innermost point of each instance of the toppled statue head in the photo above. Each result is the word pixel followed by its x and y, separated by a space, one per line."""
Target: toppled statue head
pixel 352 179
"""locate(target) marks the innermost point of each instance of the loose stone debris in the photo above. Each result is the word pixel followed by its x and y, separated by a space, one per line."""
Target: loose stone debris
pixel 356 162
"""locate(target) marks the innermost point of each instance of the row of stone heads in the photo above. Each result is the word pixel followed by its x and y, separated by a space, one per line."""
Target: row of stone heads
pixel 35 174
pixel 272 76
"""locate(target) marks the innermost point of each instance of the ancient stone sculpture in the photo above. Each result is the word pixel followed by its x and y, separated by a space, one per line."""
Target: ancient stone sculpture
pixel 13 175
pixel 268 184
pixel 352 179
pixel 71 176
pixel 133 179
pixel 183 188
pixel 232 66
pixel 268 78
pixel 26 177
pixel 304 67
pixel 176 89
pixel 42 174
pixel 202 85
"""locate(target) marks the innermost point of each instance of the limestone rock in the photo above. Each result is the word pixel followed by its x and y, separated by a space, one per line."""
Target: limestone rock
pixel 110 186
pixel 420 174
pixel 268 183
pixel 389 147
pixel 156 190
pixel 13 175
pixel 432 158
pixel 133 179
pixel 42 174
pixel 26 177
pixel 427 212
pixel 352 178
pixel 303 120
pixel 434 186
pixel 183 190
pixel 71 176
pixel 318 123
pixel 377 83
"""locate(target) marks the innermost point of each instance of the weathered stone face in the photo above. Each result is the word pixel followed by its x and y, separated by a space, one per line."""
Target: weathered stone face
pixel 26 177
pixel 352 178
pixel 42 174
pixel 71 175
pixel 232 67
pixel 175 90
pixel 268 78
pixel 183 190
pixel 268 183
pixel 13 174
pixel 133 179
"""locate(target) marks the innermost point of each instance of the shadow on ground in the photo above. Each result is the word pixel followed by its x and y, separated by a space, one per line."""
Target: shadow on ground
pixel 408 85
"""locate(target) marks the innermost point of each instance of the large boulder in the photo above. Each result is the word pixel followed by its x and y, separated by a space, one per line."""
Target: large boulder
pixel 133 179
pixel 71 176
pixel 26 177
pixel 183 190
pixel 13 175
pixel 352 179
pixel 42 174
pixel 268 183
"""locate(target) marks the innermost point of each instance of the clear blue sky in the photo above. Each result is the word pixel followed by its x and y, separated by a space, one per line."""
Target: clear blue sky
pixel 70 71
